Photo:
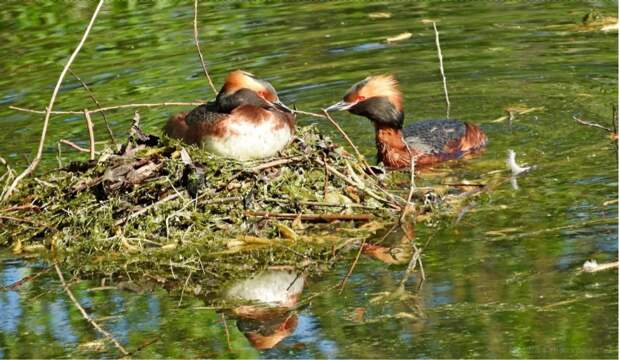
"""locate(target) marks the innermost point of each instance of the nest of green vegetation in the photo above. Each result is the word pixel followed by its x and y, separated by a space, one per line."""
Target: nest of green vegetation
pixel 159 210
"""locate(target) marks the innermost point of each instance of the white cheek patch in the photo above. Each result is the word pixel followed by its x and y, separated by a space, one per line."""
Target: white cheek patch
pixel 249 140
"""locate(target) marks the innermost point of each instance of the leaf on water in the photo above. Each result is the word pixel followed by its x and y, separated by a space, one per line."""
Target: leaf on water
pixel 399 37
pixel 500 119
pixel 405 315
pixel 521 109
pixel 380 15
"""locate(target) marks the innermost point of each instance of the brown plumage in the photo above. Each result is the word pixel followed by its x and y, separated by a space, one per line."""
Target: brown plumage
pixel 379 99
pixel 246 121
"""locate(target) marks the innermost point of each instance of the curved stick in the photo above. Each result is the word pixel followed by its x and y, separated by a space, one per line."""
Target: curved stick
pixel 443 75
pixel 48 110
pixel 202 60
pixel 107 108
pixel 90 320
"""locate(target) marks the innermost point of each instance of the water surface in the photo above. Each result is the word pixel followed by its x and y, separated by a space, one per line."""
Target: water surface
pixel 502 282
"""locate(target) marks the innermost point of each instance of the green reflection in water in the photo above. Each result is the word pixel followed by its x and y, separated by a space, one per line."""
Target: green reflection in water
pixel 501 282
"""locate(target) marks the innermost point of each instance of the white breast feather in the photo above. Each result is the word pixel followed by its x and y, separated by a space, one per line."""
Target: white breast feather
pixel 249 141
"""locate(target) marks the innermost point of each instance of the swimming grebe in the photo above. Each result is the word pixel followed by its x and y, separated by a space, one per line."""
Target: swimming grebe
pixel 246 121
pixel 431 141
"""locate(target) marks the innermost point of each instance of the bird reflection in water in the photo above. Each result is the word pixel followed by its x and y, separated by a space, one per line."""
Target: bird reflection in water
pixel 268 318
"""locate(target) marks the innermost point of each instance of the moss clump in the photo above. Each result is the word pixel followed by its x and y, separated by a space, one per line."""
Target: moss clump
pixel 161 210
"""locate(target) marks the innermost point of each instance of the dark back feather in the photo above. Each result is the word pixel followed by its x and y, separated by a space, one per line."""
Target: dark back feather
pixel 433 136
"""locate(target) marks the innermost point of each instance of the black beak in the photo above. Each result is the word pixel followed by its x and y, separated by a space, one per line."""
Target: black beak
pixel 280 106
pixel 340 106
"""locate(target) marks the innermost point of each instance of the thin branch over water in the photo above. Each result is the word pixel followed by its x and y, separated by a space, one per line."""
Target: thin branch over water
pixel 94 99
pixel 97 327
pixel 48 111
pixel 443 75
pixel 202 60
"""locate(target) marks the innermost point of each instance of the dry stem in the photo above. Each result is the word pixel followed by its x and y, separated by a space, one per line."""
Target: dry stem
pixel 94 99
pixel 443 75
pixel 357 257
pixel 202 60
pixel 588 123
pixel 223 316
pixel 107 108
pixel 344 134
pixel 73 145
pixel 85 314
pixel 48 111
pixel 146 208
pixel 312 217
pixel 91 134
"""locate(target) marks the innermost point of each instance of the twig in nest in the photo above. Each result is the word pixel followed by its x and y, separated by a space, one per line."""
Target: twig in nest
pixel 146 208
pixel 202 60
pixel 108 108
pixel 33 165
pixel 353 183
pixel 312 217
pixel 412 160
pixel 443 75
pixel 325 176
pixel 85 314
pixel 94 99
pixel 91 134
pixel 73 145
pixel 308 113
pixel 344 134
pixel 12 218
pixel 276 162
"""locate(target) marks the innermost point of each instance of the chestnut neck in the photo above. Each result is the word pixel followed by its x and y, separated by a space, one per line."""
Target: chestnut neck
pixel 391 148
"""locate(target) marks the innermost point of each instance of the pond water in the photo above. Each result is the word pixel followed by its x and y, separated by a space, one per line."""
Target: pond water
pixel 501 282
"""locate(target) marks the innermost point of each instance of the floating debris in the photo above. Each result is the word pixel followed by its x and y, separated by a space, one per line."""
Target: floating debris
pixel 515 168
pixel 595 21
pixel 399 37
pixel 592 266
pixel 380 15
pixel 514 110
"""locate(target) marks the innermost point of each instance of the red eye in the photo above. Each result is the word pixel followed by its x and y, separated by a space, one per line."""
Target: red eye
pixel 361 98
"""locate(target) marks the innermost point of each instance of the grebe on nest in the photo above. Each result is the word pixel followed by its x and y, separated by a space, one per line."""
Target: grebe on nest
pixel 246 121
pixel 431 141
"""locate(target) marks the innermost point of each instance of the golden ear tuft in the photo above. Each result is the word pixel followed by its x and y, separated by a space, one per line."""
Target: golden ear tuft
pixel 383 85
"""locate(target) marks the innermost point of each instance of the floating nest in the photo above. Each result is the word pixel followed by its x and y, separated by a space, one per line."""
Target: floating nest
pixel 158 210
